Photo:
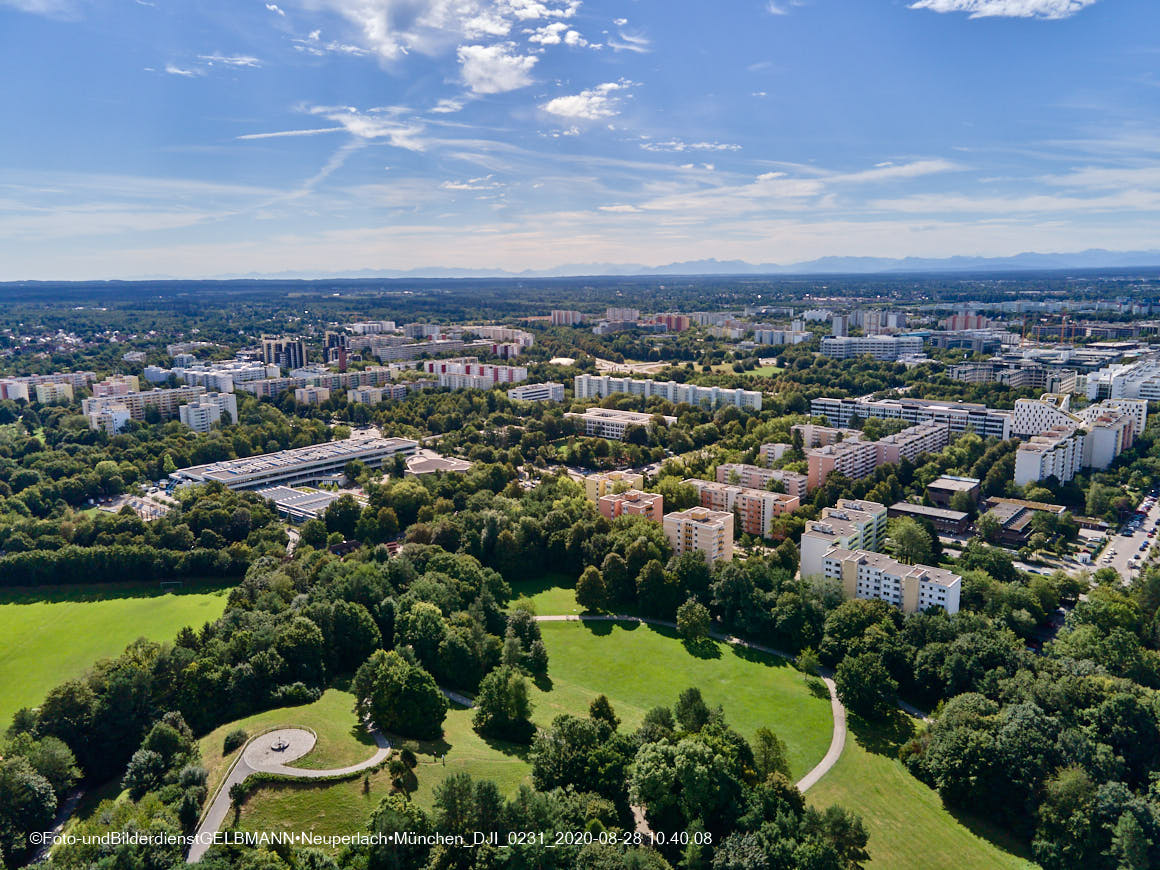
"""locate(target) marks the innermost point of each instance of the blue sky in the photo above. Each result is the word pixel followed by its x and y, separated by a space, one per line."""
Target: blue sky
pixel 172 137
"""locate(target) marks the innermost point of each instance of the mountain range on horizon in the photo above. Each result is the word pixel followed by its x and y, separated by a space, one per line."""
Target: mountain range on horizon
pixel 1029 261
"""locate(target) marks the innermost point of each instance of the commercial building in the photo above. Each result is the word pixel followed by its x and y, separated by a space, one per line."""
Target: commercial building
pixel 947 522
pixel 943 489
pixel 911 588
pixel 852 525
pixel 1014 518
pixel 754 508
pixel 756 477
pixel 1026 373
pixel 287 353
pixel 298 465
pixel 546 392
pixel 598 485
pixel 200 414
pixel 610 423
pixel 880 347
pixel 299 505
pixel 566 317
pixel 700 530
pixel 959 416
pixel 1137 380
pixel 165 402
pixel 632 502
pixel 601 386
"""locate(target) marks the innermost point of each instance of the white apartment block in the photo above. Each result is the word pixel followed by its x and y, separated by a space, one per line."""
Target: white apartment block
pixel 371 327
pixel 165 401
pixel 959 416
pixel 299 465
pixel 109 419
pixel 880 347
pixel 756 477
pixel 911 588
pixel 469 373
pixel 1033 416
pixel 701 530
pixel 1057 452
pixel 546 392
pixel 1137 409
pixel 505 334
pixel 566 317
pixel 610 423
pixel 603 483
pixel 780 336
pixel 1138 380
pixel 851 525
pixel 374 395
pixel 200 414
pixel 622 314
pixel 1108 435
pixel 600 386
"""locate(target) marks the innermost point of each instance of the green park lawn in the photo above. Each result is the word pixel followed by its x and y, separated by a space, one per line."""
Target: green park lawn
pixel 52 634
pixel 637 666
pixel 909 827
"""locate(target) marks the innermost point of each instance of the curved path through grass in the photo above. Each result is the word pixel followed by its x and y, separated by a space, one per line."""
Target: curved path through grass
pixel 268 753
pixel 837 740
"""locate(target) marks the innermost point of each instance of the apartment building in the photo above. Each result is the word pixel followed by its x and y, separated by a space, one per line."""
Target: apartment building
pixel 780 336
pixel 756 477
pixel 298 465
pixel 49 394
pixel 598 485
pixel 853 457
pixel 622 314
pixel 24 386
pixel 909 444
pixel 1033 416
pixel 1056 452
pixel 959 416
pixel 611 423
pixel 773 451
pixel 287 353
pixel 632 502
pixel 546 392
pixel 469 373
pixel 374 395
pixel 566 317
pixel 911 588
pixel 166 402
pixel 200 414
pixel 371 327
pixel 504 335
pixel 1107 434
pixel 754 508
pixel 880 347
pixel 851 524
pixel 116 385
pixel 601 386
pixel 701 530
pixel 110 418
pixel 384 349
pixel 311 395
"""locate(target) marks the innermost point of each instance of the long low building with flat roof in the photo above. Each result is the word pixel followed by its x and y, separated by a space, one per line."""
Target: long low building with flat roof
pixel 299 505
pixel 911 588
pixel 959 416
pixel 298 465
pixel 944 520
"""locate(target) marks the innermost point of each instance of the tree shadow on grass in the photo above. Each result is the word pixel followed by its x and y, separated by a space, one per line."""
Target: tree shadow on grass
pixel 599 627
pixel 884 737
pixel 987 830
pixel 504 747
pixel 543 682
pixel 83 593
pixel 702 648
pixel 436 747
pixel 532 586
pixel 761 658
pixel 817 688
pixel 360 733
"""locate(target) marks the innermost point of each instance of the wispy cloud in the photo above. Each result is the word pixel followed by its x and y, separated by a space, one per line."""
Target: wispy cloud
pixel 273 7
pixel 238 60
pixel 175 70
pixel 284 133
pixel 484 182
pixel 1049 9
pixel 315 45
pixel 589 105
pixel 677 146
pixel 51 8
pixel 631 42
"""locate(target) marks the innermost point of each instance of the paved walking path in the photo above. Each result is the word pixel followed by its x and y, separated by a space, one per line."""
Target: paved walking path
pixel 259 755
pixel 837 740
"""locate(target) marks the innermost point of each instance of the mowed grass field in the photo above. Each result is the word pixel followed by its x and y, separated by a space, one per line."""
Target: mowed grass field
pixel 909 827
pixel 636 666
pixel 52 634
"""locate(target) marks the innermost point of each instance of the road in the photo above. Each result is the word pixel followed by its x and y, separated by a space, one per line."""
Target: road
pixel 260 755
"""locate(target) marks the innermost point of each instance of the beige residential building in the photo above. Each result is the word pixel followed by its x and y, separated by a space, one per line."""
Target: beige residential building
pixel 851 525
pixel 48 394
pixel 701 530
pixel 756 477
pixel 753 508
pixel 166 402
pixel 911 588
pixel 597 485
pixel 632 502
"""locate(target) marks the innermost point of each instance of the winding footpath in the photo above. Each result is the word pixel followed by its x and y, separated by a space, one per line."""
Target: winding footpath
pixel 837 740
pixel 260 756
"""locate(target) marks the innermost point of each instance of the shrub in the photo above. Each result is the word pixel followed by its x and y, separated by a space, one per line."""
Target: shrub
pixel 234 740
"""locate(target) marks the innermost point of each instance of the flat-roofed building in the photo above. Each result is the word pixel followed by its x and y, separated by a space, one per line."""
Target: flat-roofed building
pixel 546 392
pixel 601 386
pixel 761 478
pixel 611 423
pixel 566 317
pixel 311 395
pixel 299 505
pixel 959 416
pixel 1014 517
pixel 166 402
pixel 597 485
pixel 49 394
pixel 200 414
pixel 880 347
pixel 941 490
pixel 632 502
pixel 299 465
pixel 1058 453
pixel 754 508
pixel 701 530
pixel 116 385
pixel 911 588
pixel 109 418
pixel 773 451
pixel 287 353
pixel 853 524
pixel 853 457
pixel 946 521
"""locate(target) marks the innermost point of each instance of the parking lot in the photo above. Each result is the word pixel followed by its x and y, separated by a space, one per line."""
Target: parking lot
pixel 1128 548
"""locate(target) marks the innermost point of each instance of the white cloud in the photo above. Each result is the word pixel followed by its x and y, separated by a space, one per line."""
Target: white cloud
pixel 314 45
pixel 281 134
pixel 620 22
pixel 51 8
pixel 273 7
pixel 230 60
pixel 495 69
pixel 759 94
pixel 573 38
pixel 775 8
pixel 482 183
pixel 677 146
pixel 631 42
pixel 620 209
pixel 372 125
pixel 175 70
pixel 1050 9
pixel 446 106
pixel 588 105
pixel 549 34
